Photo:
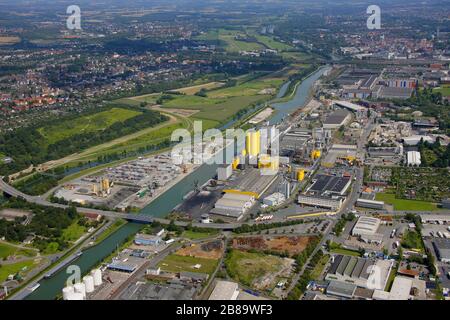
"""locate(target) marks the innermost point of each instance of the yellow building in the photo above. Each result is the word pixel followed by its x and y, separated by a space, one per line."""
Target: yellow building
pixel 268 162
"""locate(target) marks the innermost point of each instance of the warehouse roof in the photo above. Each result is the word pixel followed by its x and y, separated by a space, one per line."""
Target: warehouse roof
pixel 341 289
pixel 366 225
pixel 225 290
pixel 401 288
pixel 337 117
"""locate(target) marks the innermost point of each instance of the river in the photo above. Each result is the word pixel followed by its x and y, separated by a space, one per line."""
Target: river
pixel 50 288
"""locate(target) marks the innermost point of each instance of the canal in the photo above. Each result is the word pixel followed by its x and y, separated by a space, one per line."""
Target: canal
pixel 50 288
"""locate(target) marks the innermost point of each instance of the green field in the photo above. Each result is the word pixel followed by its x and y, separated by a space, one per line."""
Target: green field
pixel 246 267
pixel 412 240
pixel 346 252
pixel 73 232
pixel 85 124
pixel 405 205
pixel 272 43
pixel 177 263
pixel 315 274
pixel 7 269
pixel 197 235
pixel 444 90
pixel 8 250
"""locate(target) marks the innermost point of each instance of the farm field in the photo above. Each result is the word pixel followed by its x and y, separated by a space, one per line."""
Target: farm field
pixel 85 124
pixel 177 263
pixel 257 270
pixel 282 244
pixel 405 205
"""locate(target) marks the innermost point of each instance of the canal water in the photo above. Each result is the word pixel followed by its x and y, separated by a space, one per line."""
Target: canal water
pixel 50 288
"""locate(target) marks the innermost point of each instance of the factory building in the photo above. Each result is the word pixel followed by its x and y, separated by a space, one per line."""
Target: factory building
pixel 357 271
pixel 435 218
pixel 330 185
pixel 371 204
pixel 337 119
pixel 413 158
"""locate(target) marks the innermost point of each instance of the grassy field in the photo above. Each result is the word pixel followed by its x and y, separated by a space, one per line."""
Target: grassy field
pixel 197 235
pixel 194 89
pixel 176 263
pixel 272 43
pixel 245 267
pixel 8 250
pixel 444 90
pixel 7 269
pixel 412 240
pixel 315 274
pixel 73 232
pixel 405 205
pixel 85 124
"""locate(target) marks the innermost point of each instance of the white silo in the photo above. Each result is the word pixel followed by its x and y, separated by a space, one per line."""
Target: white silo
pixel 75 296
pixel 67 291
pixel 89 283
pixel 80 288
pixel 97 275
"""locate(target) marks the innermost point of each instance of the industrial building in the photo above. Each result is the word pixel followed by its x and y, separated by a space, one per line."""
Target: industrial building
pixel 233 206
pixel 224 172
pixel 322 202
pixel 340 153
pixel 337 119
pixel 370 204
pixel 225 290
pixel 366 229
pixel 357 271
pixel 341 289
pixel 329 185
pixel 435 218
pixel 442 248
pixel 147 240
pixel 413 158
pixel 274 200
pixel 349 106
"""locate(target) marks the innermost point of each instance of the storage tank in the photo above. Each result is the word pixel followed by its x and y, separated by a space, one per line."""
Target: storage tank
pixel 97 275
pixel 67 291
pixel 80 288
pixel 89 283
pixel 75 296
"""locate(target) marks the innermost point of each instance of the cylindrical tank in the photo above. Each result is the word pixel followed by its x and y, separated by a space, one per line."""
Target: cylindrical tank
pixel 67 291
pixel 80 288
pixel 75 296
pixel 97 275
pixel 89 283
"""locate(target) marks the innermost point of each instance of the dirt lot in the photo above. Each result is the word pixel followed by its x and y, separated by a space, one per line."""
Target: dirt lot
pixel 293 244
pixel 207 250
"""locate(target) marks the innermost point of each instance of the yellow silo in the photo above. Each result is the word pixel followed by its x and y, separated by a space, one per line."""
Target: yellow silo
pixel 300 175
pixel 253 143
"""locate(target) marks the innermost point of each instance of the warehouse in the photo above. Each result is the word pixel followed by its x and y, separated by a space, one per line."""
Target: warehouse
pixel 330 185
pixel 348 105
pixel 371 204
pixel 147 240
pixel 366 229
pixel 442 247
pixel 233 205
pixel 337 119
pixel 401 288
pixel 225 290
pixel 358 270
pixel 435 218
pixel 341 289
pixel 274 199
pixel 322 202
